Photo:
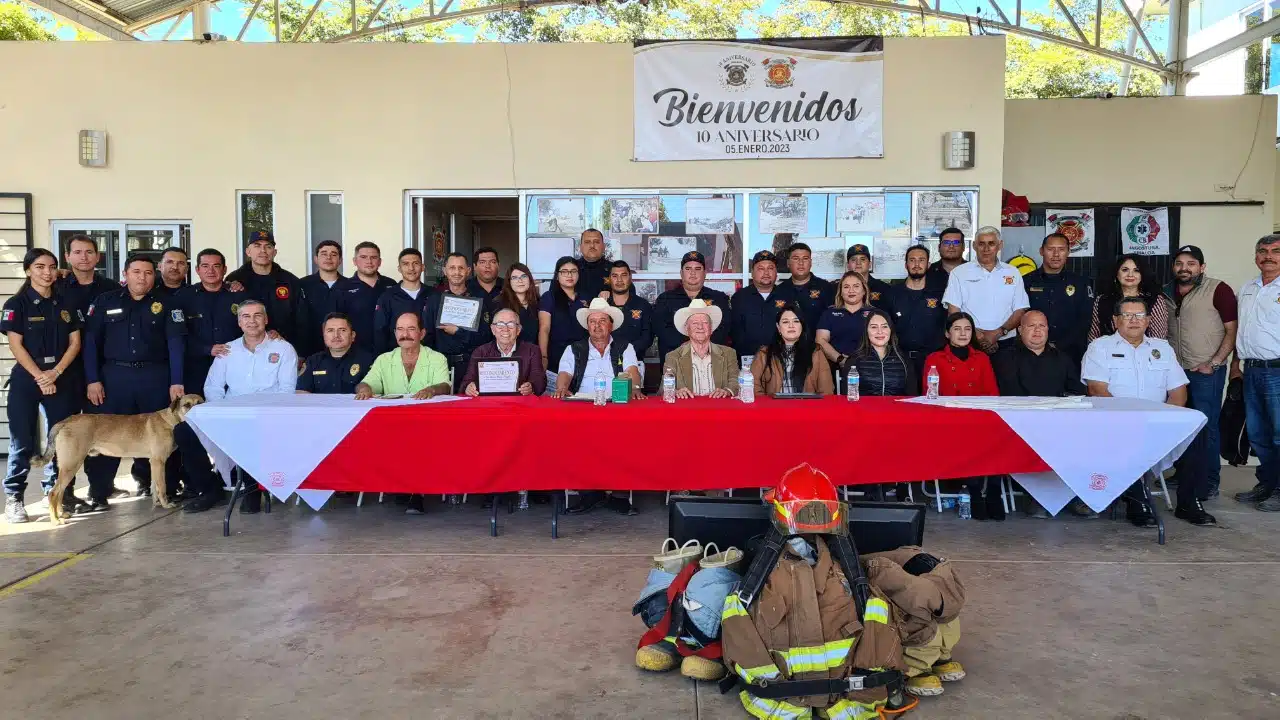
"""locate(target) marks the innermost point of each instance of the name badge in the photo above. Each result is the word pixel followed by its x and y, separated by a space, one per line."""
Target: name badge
pixel 50 359
pixel 319 372
pixel 1119 355
pixel 115 311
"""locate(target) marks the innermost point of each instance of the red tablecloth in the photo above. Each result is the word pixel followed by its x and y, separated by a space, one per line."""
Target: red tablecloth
pixel 517 443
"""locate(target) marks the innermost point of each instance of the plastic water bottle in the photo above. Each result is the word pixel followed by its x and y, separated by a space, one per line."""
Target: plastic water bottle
pixel 746 383
pixel 668 386
pixel 524 500
pixel 602 388
pixel 854 383
pixel 932 392
pixel 965 506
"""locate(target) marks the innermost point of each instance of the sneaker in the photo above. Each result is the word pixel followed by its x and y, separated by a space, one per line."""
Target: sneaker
pixel 621 505
pixel 924 686
pixel 588 500
pixel 1081 510
pixel 1194 514
pixel 93 506
pixel 1257 494
pixel 1141 514
pixel 252 503
pixel 948 670
pixel 15 511
pixel 415 506
pixel 1271 504
pixel 203 502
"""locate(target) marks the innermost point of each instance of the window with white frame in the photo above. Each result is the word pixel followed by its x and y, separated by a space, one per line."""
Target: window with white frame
pixel 117 239
pixel 255 211
pixel 326 220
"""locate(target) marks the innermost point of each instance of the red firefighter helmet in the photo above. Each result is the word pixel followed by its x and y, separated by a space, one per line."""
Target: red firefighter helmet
pixel 805 502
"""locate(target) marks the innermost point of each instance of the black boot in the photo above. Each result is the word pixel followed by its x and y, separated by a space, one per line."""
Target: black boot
pixel 995 505
pixel 588 500
pixel 252 502
pixel 202 502
pixel 1140 513
pixel 1194 513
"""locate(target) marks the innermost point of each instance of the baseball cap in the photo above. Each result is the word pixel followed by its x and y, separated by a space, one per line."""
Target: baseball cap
pixel 858 249
pixel 262 235
pixel 764 255
pixel 694 256
pixel 1191 250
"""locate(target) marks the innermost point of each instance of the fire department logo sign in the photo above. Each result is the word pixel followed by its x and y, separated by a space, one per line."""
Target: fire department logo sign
pixel 1098 481
pixel 1143 230
pixel 277 479
pixel 735 77
pixel 778 72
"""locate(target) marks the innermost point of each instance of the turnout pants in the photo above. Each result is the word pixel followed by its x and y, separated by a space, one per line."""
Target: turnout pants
pixel 920 660
pixel 23 411
pixel 130 390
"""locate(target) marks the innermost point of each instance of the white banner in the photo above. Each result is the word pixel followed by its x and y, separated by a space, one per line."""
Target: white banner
pixel 728 100
pixel 1144 232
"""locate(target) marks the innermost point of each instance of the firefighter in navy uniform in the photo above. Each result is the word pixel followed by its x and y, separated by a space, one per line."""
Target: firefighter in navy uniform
pixel 340 367
pixel 172 272
pixel 133 350
pixel 810 292
pixel 209 308
pixel 410 296
pixel 693 275
pixel 315 296
pixel 357 296
pixel 754 315
pixel 455 343
pixel 44 337
pixel 858 259
pixel 1065 298
pixel 637 327
pixel 269 283
pixel 918 312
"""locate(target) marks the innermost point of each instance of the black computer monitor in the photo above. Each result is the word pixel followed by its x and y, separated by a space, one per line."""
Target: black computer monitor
pixel 873 526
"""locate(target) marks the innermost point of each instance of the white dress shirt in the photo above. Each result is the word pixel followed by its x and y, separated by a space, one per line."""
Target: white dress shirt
pixel 597 362
pixel 990 296
pixel 271 367
pixel 1258 334
pixel 1148 371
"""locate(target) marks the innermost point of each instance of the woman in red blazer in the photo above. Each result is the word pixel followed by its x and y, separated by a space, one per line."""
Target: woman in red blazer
pixel 962 368
pixel 966 370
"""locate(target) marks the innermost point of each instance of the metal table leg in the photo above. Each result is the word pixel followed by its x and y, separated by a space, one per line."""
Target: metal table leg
pixel 555 515
pixel 235 495
pixel 493 517
pixel 1146 493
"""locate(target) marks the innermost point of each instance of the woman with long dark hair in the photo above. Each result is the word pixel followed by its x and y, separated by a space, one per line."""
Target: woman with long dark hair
pixel 520 295
pixel 44 336
pixel 791 362
pixel 883 369
pixel 1132 277
pixel 558 326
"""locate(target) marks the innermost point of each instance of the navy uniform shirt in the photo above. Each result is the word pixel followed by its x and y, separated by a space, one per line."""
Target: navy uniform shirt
pixel 325 374
pixel 664 317
pixel 392 304
pixel 879 294
pixel 279 290
pixel 919 317
pixel 754 318
pixel 165 292
pixel 528 319
pixel 45 324
pixel 315 302
pixel 937 276
pixel 120 329
pixel 847 327
pixel 637 324
pixel 359 300
pixel 489 296
pixel 461 342
pixel 78 297
pixel 565 329
pixel 593 277
pixel 211 319
pixel 1066 299
pixel 813 297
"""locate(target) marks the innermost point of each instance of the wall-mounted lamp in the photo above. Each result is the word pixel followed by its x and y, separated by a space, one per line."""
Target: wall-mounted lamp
pixel 93 148
pixel 958 150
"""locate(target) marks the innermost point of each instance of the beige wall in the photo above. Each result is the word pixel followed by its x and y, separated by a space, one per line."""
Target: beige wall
pixel 191 124
pixel 1154 150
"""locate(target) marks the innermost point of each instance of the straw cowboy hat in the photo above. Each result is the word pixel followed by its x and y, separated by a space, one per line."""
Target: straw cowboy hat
pixel 598 305
pixel 697 306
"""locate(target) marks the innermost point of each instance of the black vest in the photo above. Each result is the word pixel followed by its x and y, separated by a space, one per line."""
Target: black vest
pixel 580 350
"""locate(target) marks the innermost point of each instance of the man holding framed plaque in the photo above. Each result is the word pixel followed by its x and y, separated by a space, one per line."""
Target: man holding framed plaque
pixel 506 366
pixel 455 319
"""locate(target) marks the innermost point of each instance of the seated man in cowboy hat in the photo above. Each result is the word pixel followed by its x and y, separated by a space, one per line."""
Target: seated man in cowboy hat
pixel 702 368
pixel 585 359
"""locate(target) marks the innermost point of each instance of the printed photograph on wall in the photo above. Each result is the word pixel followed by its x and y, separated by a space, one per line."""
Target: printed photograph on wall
pixel 647 289
pixel 543 251
pixel 1076 225
pixel 889 256
pixel 709 216
pixel 633 215
pixel 663 252
pixel 937 211
pixel 827 255
pixel 897 214
pixel 784 214
pixel 860 213
pixel 562 216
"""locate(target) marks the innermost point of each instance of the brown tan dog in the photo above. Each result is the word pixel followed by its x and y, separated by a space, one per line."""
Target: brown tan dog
pixel 149 435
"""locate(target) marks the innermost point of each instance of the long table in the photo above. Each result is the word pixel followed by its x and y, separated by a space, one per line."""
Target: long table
pixel 318 444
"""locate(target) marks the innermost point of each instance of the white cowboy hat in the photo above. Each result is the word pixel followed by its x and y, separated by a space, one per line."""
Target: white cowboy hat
pixel 697 306
pixel 598 305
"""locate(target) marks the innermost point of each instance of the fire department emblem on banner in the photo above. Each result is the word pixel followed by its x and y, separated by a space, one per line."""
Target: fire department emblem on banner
pixel 735 69
pixel 277 479
pixel 1146 232
pixel 778 72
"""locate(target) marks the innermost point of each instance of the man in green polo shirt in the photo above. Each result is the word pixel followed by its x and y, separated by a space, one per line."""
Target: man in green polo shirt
pixel 411 369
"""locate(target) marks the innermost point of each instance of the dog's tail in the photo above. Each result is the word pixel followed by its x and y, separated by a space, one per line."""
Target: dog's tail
pixel 49 448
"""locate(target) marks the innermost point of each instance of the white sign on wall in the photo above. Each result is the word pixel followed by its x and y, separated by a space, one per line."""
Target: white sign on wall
pixel 734 99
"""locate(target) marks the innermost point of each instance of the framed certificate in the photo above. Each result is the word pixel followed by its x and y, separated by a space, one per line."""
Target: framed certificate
pixel 461 311
pixel 498 377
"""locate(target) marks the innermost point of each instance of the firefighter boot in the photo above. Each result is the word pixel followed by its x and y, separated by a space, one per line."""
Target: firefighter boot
pixel 948 670
pixel 924 685
pixel 658 657
pixel 702 669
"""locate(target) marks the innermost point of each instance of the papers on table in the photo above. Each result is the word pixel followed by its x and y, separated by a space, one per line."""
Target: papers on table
pixel 1008 403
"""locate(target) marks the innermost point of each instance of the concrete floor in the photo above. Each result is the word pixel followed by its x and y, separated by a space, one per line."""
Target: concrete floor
pixel 368 613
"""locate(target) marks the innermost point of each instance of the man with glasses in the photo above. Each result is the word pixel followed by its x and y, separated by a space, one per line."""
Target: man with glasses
pixel 951 256
pixel 532 379
pixel 1065 298
pixel 637 330
pixel 693 278
pixel 1130 364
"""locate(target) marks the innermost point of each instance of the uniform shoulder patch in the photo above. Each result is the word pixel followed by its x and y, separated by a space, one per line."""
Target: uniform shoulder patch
pixel 282 292
pixel 814 294
pixel 1008 279
pixel 273 358
pixel 8 315
pixel 66 316
pixel 176 315
pixel 635 314
pixel 235 308
pixel 931 303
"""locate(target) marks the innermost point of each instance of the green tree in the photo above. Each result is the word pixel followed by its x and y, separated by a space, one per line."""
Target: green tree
pixel 333 20
pixel 19 22
pixel 610 22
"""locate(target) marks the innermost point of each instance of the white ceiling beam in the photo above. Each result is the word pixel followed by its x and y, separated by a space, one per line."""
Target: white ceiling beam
pixel 75 15
pixel 1248 37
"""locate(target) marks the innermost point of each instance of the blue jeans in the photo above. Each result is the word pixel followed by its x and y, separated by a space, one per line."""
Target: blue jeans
pixel 1262 417
pixel 1204 393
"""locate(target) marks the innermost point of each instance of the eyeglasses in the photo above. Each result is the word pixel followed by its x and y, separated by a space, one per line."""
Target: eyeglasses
pixel 507 325
pixel 952 242
pixel 1134 316
pixel 519 277
pixel 566 272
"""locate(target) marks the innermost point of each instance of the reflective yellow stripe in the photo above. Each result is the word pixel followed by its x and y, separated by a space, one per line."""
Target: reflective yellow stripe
pixel 819 657
pixel 849 710
pixel 877 611
pixel 765 672
pixel 772 709
pixel 733 607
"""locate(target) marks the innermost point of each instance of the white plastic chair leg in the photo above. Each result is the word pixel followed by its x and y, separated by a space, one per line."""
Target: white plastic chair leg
pixel 937 493
pixel 360 500
pixel 380 498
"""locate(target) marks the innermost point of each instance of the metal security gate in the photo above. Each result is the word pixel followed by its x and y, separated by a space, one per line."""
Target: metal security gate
pixel 16 238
